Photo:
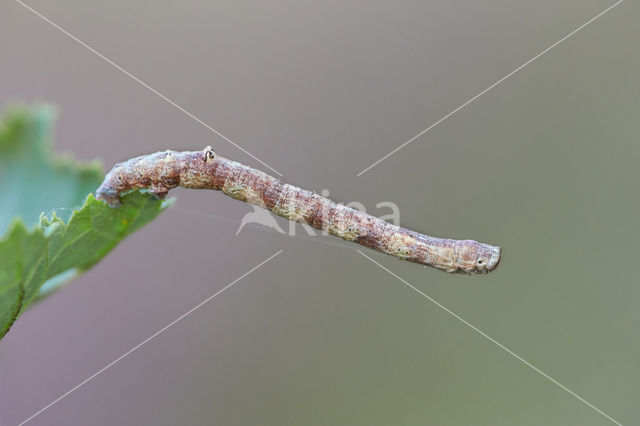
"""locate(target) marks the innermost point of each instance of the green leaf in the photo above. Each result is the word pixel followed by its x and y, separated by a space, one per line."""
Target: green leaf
pixel 40 249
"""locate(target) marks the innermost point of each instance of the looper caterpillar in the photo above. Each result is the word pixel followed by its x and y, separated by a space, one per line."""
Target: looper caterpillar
pixel 162 171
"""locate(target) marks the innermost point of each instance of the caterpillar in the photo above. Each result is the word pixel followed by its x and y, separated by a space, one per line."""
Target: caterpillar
pixel 162 171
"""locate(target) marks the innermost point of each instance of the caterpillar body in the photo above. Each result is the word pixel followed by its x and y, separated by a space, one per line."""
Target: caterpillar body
pixel 162 171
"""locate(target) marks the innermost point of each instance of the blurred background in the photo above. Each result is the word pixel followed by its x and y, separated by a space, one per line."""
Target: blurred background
pixel 544 165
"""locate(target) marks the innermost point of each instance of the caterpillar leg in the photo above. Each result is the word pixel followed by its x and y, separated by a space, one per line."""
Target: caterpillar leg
pixel 160 192
pixel 208 154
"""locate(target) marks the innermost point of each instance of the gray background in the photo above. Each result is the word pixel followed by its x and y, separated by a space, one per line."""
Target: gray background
pixel 544 165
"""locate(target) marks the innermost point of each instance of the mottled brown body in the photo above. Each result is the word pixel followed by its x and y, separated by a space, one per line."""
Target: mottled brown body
pixel 162 171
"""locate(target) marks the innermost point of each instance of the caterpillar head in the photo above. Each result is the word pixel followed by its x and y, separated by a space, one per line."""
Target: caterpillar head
pixel 114 184
pixel 487 258
pixel 476 258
